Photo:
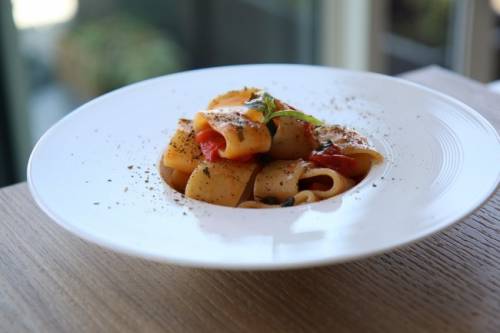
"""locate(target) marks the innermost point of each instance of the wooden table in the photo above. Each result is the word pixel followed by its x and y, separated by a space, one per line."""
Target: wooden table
pixel 51 281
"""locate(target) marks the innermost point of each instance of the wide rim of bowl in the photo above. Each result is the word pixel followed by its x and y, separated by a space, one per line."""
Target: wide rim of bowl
pixel 268 265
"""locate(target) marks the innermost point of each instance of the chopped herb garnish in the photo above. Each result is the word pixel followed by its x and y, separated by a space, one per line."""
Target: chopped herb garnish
pixel 290 201
pixel 266 104
pixel 262 102
pixel 324 145
pixel 206 172
pixel 295 114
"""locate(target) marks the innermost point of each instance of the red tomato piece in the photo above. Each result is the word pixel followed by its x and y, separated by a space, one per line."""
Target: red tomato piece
pixel 331 158
pixel 207 134
pixel 210 142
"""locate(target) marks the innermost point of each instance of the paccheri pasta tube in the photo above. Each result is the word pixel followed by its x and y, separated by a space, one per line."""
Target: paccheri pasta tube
pixel 251 150
pixel 183 152
pixel 221 183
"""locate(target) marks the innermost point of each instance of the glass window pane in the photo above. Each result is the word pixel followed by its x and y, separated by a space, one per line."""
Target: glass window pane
pixel 418 34
pixel 76 50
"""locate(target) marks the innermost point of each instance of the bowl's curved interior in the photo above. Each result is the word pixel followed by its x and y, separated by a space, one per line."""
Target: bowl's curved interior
pixel 95 172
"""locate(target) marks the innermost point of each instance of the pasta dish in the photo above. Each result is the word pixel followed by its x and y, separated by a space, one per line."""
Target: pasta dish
pixel 249 149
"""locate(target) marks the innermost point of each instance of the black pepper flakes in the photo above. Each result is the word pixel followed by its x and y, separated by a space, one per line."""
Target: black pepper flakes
pixel 206 172
pixel 290 201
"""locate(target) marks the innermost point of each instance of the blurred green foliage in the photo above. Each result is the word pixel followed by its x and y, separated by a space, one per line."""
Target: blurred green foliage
pixel 425 21
pixel 101 55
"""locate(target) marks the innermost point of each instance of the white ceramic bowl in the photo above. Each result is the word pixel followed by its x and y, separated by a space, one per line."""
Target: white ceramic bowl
pixel 95 172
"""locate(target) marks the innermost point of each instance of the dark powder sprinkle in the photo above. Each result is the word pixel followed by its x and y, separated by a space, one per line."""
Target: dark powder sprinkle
pixel 130 167
pixel 125 189
pixel 374 185
pixel 109 180
pixel 206 172
pixel 290 201
pixel 184 213
pixel 96 203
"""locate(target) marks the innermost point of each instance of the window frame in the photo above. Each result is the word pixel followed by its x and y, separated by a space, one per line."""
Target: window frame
pixel 16 143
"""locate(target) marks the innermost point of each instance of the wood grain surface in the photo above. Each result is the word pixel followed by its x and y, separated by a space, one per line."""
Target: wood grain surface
pixel 51 281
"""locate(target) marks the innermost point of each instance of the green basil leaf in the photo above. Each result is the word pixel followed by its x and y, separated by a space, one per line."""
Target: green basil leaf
pixel 295 114
pixel 266 104
pixel 262 102
pixel 269 102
